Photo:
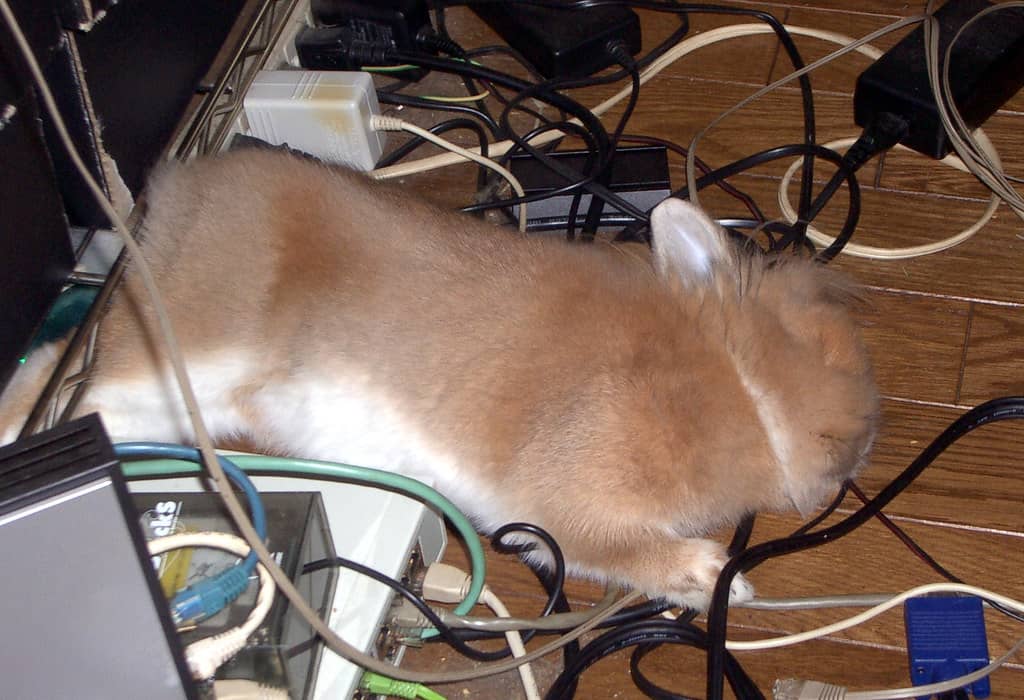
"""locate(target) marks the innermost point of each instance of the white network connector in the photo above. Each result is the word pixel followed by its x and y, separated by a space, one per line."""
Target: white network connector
pixel 324 113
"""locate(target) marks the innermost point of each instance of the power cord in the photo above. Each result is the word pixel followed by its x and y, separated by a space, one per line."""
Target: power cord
pixel 1006 408
pixel 885 131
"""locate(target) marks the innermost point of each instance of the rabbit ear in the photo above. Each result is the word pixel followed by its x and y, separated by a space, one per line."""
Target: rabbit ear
pixel 686 242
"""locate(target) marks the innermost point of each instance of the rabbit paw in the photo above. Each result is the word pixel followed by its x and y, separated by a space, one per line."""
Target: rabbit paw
pixel 702 575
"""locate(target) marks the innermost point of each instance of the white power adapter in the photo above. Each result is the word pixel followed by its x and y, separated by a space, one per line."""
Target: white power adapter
pixel 323 113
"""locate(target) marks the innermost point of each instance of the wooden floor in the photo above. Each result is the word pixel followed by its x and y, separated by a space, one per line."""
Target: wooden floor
pixel 947 332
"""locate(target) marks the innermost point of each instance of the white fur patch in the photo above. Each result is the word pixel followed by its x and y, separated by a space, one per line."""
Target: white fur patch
pixel 338 419
pixel 141 409
pixel 345 419
pixel 772 418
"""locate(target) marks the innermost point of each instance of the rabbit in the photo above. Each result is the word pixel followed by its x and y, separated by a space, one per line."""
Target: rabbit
pixel 630 404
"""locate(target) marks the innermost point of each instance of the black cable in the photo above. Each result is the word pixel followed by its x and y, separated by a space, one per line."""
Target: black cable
pixel 785 39
pixel 565 189
pixel 553 581
pixel 556 577
pixel 617 50
pixel 550 92
pixel 827 511
pixel 924 556
pixel 542 91
pixel 996 410
pixel 537 196
pixel 439 40
pixel 741 537
pixel 420 605
pixel 390 98
pixel 645 632
pixel 884 132
pixel 416 141
pixel 704 168
pixel 772 154
pixel 644 684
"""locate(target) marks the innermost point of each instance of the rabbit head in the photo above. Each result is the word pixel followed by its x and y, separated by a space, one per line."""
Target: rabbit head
pixel 793 346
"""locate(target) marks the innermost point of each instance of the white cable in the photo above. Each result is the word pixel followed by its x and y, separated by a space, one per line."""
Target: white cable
pixel 874 252
pixel 515 643
pixel 936 688
pixel 205 656
pixel 980 163
pixel 382 123
pixel 793 689
pixel 791 639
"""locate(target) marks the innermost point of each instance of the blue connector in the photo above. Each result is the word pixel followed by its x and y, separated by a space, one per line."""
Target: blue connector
pixel 946 639
pixel 209 596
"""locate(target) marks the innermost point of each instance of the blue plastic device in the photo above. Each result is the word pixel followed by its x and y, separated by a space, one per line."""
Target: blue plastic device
pixel 945 639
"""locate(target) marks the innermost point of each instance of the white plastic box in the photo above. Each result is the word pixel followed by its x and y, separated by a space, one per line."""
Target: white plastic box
pixel 323 113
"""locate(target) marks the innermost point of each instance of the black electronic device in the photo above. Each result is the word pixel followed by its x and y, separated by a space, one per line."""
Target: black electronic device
pixel 986 68
pixel 563 43
pixel 638 174
pixel 83 613
pixel 82 47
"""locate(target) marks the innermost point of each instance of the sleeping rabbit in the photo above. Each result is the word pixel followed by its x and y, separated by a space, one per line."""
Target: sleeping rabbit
pixel 629 404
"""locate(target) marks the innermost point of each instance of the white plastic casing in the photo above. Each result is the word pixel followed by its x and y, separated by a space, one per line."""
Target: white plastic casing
pixel 377 528
pixel 324 113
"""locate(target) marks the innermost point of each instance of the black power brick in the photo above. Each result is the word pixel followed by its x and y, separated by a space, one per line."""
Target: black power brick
pixel 392 22
pixel 638 174
pixel 986 69
pixel 563 43
pixel 351 34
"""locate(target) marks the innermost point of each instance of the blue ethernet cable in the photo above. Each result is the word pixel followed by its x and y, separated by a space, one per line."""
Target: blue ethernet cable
pixel 209 596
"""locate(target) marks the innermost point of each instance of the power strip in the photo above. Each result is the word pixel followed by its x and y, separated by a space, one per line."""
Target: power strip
pixel 380 529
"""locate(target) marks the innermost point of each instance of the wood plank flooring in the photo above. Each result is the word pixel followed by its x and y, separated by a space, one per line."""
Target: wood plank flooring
pixel 946 331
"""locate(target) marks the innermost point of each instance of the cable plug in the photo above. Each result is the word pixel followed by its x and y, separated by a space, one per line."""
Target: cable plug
pixel 382 685
pixel 208 597
pixel 619 51
pixel 796 689
pixel 338 48
pixel 205 656
pixel 445 583
pixel 405 616
pixel 429 40
pixel 884 131
pixel 380 122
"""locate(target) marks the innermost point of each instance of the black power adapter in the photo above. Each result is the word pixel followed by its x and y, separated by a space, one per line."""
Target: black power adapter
pixel 351 34
pixel 563 43
pixel 986 69
pixel 638 174
pixel 392 22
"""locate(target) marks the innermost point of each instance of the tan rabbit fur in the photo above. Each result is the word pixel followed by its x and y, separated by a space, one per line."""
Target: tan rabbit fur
pixel 630 404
